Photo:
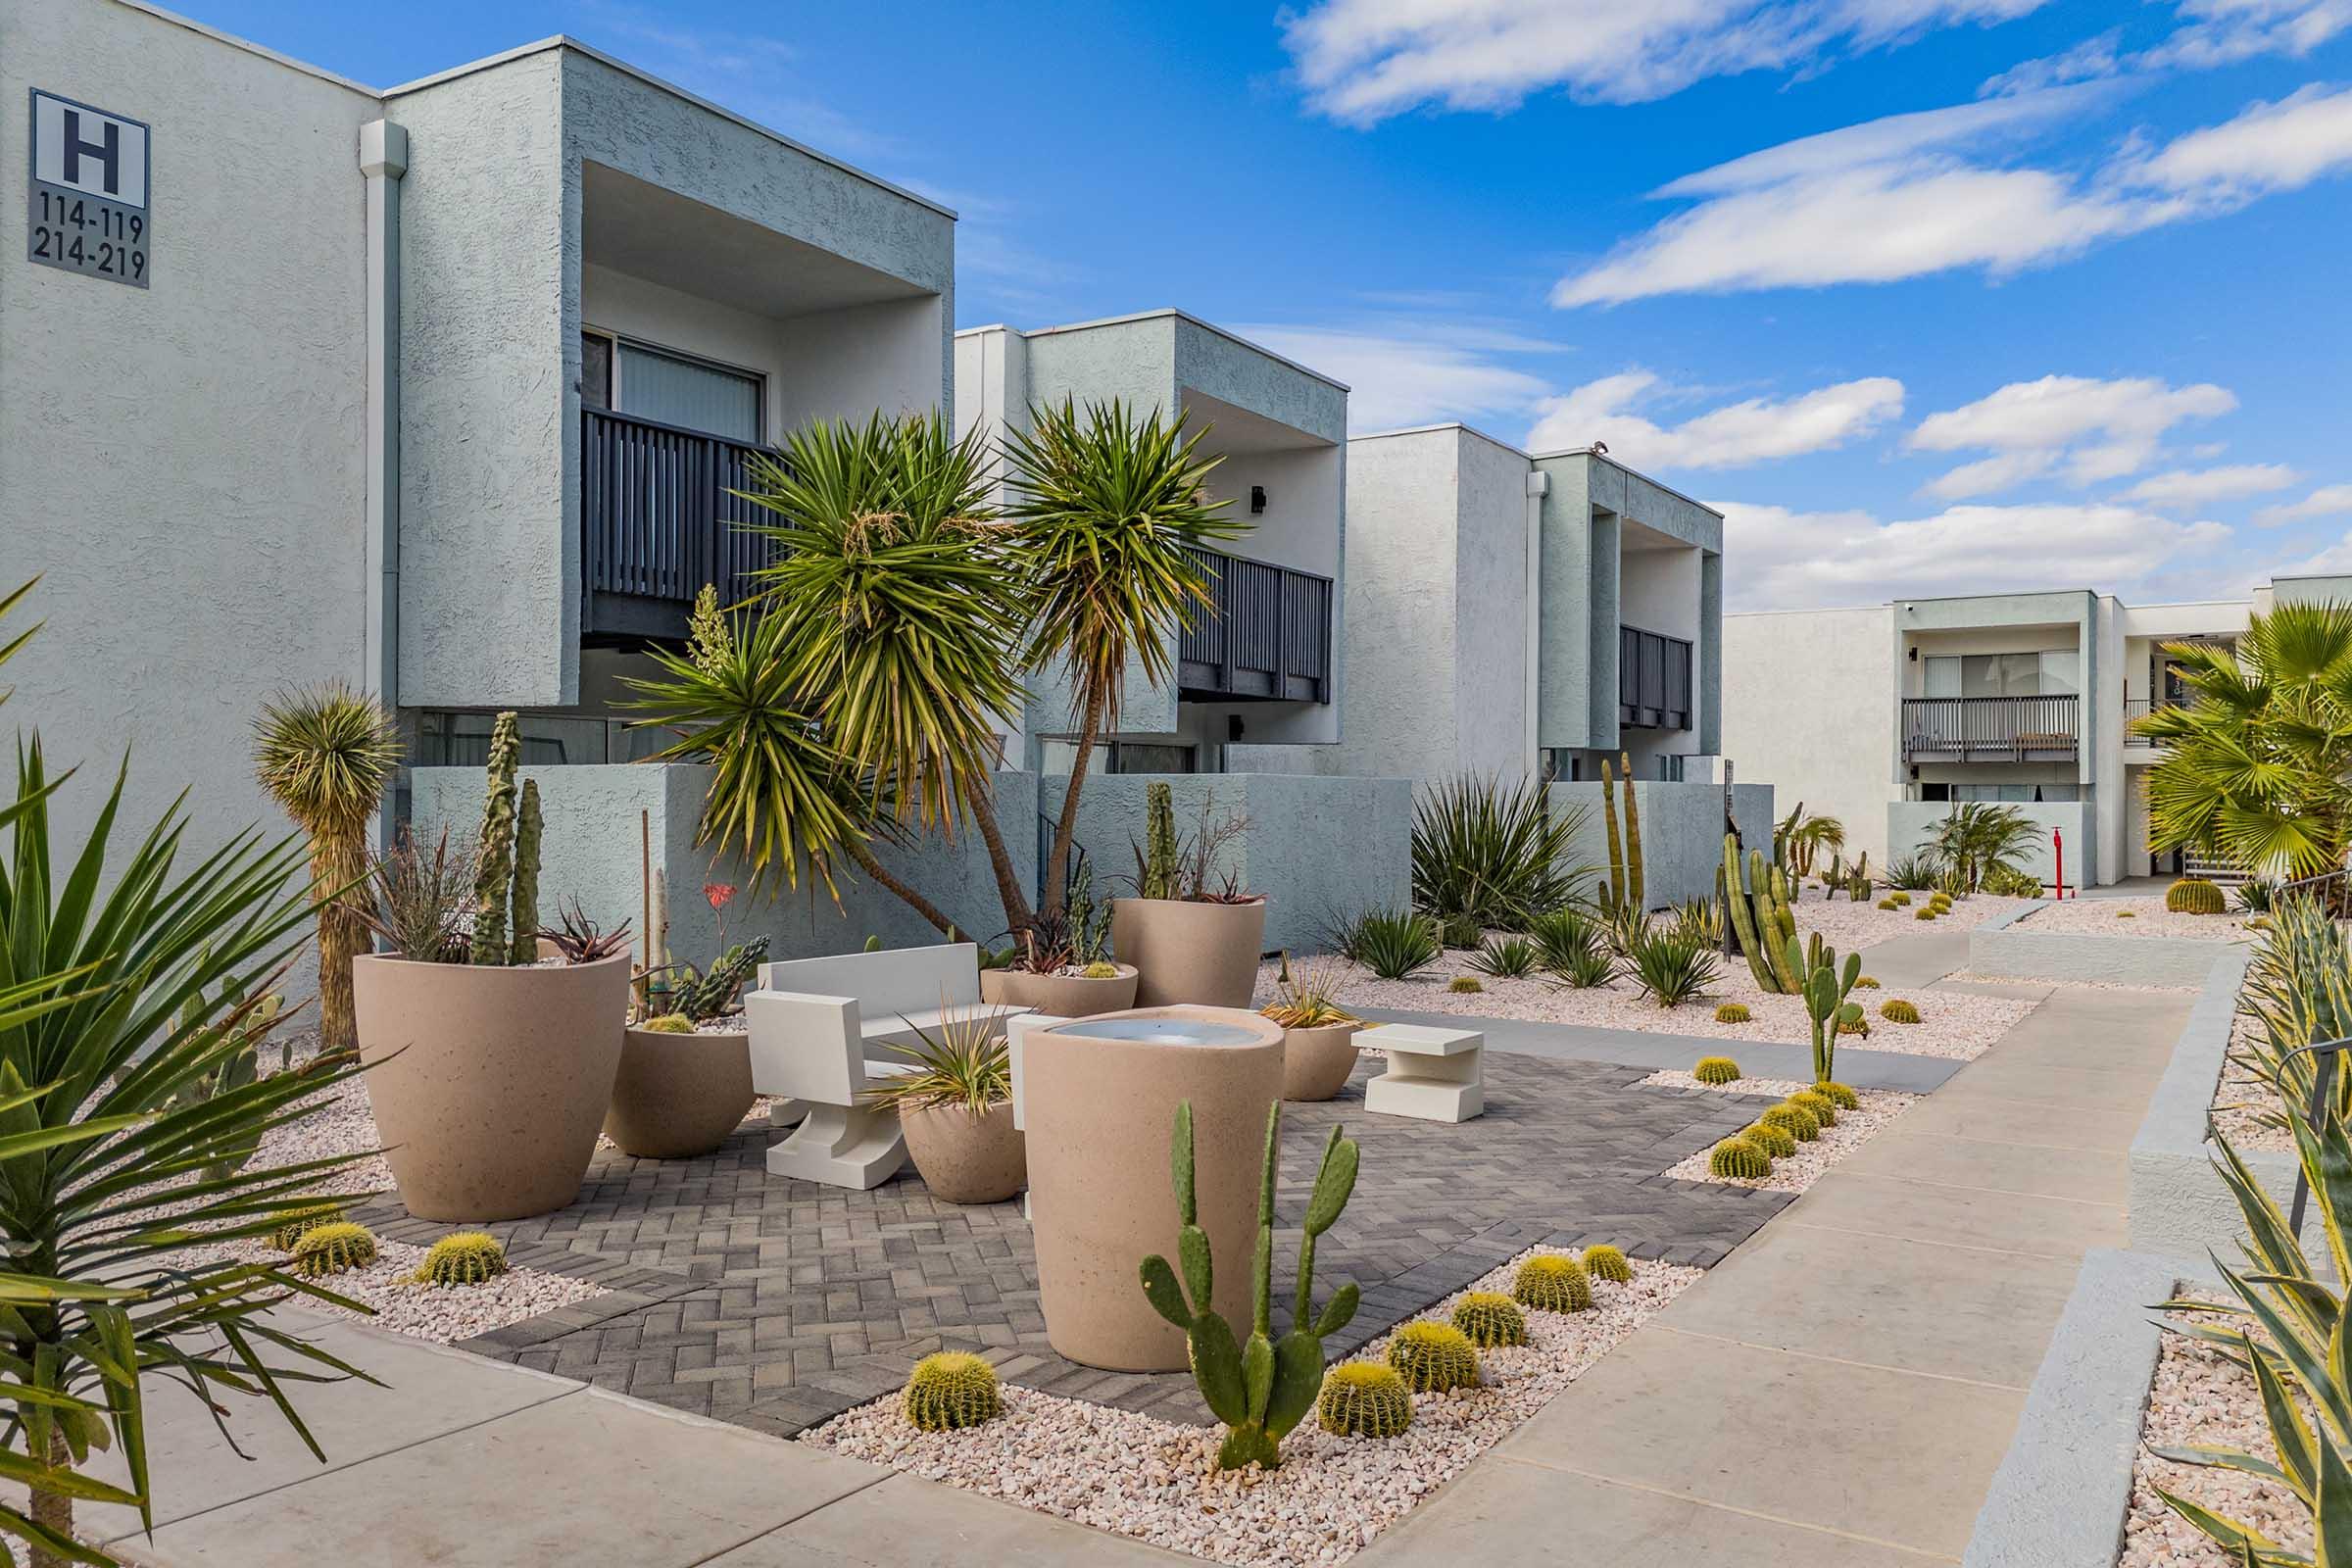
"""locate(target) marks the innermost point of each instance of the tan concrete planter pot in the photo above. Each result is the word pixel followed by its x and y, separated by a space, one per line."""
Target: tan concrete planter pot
pixel 679 1095
pixel 1099 1109
pixel 492 1083
pixel 1190 954
pixel 1059 996
pixel 966 1158
pixel 1316 1062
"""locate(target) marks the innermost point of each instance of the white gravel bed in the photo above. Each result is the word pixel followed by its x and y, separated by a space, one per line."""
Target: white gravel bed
pixel 1800 1171
pixel 2242 1097
pixel 1153 1479
pixel 1976 977
pixel 2199 1397
pixel 2148 917
pixel 1955 1024
pixel 1848 924
pixel 440 1314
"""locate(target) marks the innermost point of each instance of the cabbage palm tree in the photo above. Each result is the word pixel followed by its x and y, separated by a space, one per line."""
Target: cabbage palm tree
pixel 326 755
pixel 2256 764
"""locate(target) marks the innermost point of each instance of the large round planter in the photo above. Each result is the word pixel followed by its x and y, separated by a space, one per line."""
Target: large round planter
pixel 966 1158
pixel 489 1084
pixel 1190 954
pixel 1099 1109
pixel 679 1095
pixel 1059 996
pixel 1316 1062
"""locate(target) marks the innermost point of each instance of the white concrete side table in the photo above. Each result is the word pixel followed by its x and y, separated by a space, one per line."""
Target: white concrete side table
pixel 1433 1074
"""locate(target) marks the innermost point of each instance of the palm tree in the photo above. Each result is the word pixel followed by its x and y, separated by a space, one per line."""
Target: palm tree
pixel 326 755
pixel 2256 764
pixel 1111 507
pixel 1978 837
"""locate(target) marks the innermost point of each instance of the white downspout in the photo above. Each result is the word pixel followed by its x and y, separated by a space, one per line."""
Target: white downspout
pixel 1539 485
pixel 383 160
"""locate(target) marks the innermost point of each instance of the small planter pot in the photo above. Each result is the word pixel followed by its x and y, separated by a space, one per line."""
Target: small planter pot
pixel 1059 996
pixel 966 1158
pixel 1316 1062
pixel 1190 954
pixel 678 1096
pixel 489 1084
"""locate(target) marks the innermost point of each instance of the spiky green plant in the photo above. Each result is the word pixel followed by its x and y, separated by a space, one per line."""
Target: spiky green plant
pixel 1732 1012
pixel 951 1389
pixel 1839 1095
pixel 1465 984
pixel 1505 957
pixel 1670 964
pixel 1493 854
pixel 1864 982
pixel 1605 1262
pixel 1550 1282
pixel 1926 911
pixel 1160 875
pixel 1894 1009
pixel 1261 1388
pixel 1761 917
pixel 494 859
pixel 1433 1358
pixel 1739 1159
pixel 1720 1070
pixel 1393 944
pixel 1823 1107
pixel 1608 817
pixel 1307 996
pixel 1800 1123
pixel 1889 903
pixel 703 997
pixel 463 1258
pixel 1824 985
pixel 2195 895
pixel 1778 1142
pixel 296 1221
pixel 336 1248
pixel 1636 892
pixel 1364 1400
pixel 1490 1318
pixel 530 825
pixel 326 755
pixel 1573 947
pixel 963 1061
pixel 668 1023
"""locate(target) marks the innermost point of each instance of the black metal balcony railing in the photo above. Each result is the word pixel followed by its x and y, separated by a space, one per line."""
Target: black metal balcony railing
pixel 2141 708
pixel 656 521
pixel 1991 730
pixel 1267 637
pixel 1653 680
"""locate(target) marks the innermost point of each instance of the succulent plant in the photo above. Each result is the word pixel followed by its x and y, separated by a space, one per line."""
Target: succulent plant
pixel 1433 1358
pixel 1489 1318
pixel 1761 919
pixel 1926 911
pixel 494 869
pixel 1839 1095
pixel 1778 1142
pixel 1853 1025
pixel 1800 1123
pixel 1894 1009
pixel 1940 900
pixel 1364 1400
pixel 2195 895
pixel 1263 1389
pixel 1732 1012
pixel 951 1390
pixel 1822 985
pixel 1549 1281
pixel 333 1249
pixel 1902 899
pixel 1605 1262
pixel 1465 984
pixel 1866 982
pixel 1890 902
pixel 463 1258
pixel 296 1222
pixel 2126 915
pixel 669 1023
pixel 1823 1107
pixel 1159 874
pixel 1740 1159
pixel 1719 1070
pixel 1099 969
pixel 703 997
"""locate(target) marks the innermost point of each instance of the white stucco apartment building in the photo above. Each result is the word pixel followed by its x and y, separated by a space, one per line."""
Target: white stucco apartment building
pixel 1886 716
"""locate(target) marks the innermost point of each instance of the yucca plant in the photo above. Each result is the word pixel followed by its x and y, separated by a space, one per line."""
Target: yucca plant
pixel 962 1061
pixel 1914 873
pixel 114 979
pixel 1394 943
pixel 1306 995
pixel 1575 948
pixel 1505 957
pixel 1494 853
pixel 1670 964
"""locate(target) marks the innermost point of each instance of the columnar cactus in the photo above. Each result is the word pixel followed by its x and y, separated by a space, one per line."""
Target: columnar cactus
pixel 1605 1262
pixel 1794 1119
pixel 1608 817
pixel 523 947
pixel 951 1390
pixel 1637 891
pixel 495 870
pixel 1720 1070
pixel 1161 876
pixel 2195 895
pixel 1757 915
pixel 1264 1388
pixel 1778 1142
pixel 1434 1357
pixel 1739 1159
pixel 1552 1283
pixel 1489 1318
pixel 1894 1009
pixel 1364 1400
pixel 463 1258
pixel 333 1249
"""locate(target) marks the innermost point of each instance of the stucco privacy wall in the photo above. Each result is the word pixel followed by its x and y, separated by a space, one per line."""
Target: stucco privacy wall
pixel 1321 850
pixel 184 464
pixel 1682 832
pixel 1910 825
pixel 590 853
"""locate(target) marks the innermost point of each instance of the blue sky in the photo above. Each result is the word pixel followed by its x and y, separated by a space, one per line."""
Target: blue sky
pixel 1930 295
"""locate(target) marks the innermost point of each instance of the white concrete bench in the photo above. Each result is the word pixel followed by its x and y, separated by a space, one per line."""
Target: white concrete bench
pixel 813 1021
pixel 1433 1074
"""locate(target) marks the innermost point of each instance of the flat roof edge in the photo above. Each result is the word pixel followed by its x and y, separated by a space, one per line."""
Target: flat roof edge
pixel 1172 313
pixel 247 46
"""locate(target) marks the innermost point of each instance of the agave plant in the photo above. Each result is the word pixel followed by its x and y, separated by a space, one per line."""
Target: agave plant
pixel 1394 944
pixel 1494 853
pixel 1306 995
pixel 1670 964
pixel 1507 957
pixel 963 1061
pixel 1914 873
pixel 1575 948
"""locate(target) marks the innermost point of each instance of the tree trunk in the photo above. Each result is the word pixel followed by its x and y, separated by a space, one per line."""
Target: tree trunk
pixel 1056 874
pixel 336 868
pixel 882 877
pixel 1008 882
pixel 53 1509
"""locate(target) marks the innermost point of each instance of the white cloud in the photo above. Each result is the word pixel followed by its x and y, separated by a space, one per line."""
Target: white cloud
pixel 2328 501
pixel 1781 559
pixel 1363 61
pixel 1897 199
pixel 1754 430
pixel 2335 558
pixel 2090 429
pixel 2092 60
pixel 2185 488
pixel 2222 32
pixel 1406 372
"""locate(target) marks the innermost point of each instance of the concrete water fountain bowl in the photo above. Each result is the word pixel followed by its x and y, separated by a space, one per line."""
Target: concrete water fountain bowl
pixel 1099 1096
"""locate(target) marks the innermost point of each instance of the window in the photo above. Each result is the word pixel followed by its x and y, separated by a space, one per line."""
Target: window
pixel 2049 673
pixel 596 369
pixel 448 738
pixel 2002 794
pixel 1054 757
pixel 670 387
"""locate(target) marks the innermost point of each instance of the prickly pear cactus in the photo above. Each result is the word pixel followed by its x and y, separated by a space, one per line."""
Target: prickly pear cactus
pixel 951 1390
pixel 1552 1283
pixel 1364 1400
pixel 1433 1358
pixel 1489 1318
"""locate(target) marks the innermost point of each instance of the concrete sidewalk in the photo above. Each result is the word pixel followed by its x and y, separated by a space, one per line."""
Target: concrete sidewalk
pixel 1841 1389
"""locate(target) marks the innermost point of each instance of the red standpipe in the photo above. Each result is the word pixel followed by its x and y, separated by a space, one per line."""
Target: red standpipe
pixel 2058 848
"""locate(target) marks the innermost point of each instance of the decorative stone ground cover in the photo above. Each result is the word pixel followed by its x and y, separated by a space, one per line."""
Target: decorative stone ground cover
pixel 2139 915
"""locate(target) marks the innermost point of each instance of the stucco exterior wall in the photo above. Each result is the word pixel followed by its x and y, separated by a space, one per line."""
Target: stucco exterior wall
pixel 1398 609
pixel 1808 705
pixel 1682 832
pixel 847 364
pixel 184 464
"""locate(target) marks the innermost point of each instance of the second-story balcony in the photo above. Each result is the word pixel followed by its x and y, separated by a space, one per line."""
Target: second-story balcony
pixel 1266 639
pixel 659 519
pixel 1992 729
pixel 1653 680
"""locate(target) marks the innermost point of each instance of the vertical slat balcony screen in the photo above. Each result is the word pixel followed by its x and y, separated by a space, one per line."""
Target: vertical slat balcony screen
pixel 1992 729
pixel 1266 635
pixel 1653 680
pixel 657 520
